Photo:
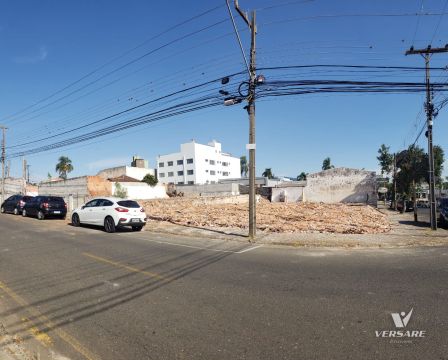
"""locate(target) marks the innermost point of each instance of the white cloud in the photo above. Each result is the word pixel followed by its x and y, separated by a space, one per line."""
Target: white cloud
pixel 107 163
pixel 32 59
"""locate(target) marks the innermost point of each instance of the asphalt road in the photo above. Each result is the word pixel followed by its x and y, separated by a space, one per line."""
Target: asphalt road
pixel 86 294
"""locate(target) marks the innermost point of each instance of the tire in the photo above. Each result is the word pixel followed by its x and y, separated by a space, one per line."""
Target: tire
pixel 75 220
pixel 40 215
pixel 109 225
pixel 24 213
pixel 137 228
pixel 2 210
pixel 16 211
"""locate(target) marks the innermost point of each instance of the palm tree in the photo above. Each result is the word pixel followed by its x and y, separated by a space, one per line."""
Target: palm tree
pixel 64 166
pixel 268 173
pixel 302 176
pixel 326 164
pixel 244 166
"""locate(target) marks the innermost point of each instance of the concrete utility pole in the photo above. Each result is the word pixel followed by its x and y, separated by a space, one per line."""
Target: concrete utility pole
pixel 426 53
pixel 3 157
pixel 251 111
pixel 395 182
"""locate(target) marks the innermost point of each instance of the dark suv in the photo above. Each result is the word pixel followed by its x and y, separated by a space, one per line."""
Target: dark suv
pixel 14 204
pixel 443 211
pixel 45 206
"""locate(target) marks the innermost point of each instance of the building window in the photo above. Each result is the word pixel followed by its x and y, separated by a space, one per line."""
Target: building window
pixel 225 163
pixel 180 183
pixel 180 162
pixel 171 173
pixel 161 164
pixel 180 173
pixel 190 172
pixel 191 183
pixel 212 162
pixel 225 173
pixel 213 182
pixel 212 172
pixel 170 163
pixel 189 161
pixel 206 160
pixel 206 170
pixel 161 174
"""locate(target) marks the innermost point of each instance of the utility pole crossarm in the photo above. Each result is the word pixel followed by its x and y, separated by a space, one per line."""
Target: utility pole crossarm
pixel 428 50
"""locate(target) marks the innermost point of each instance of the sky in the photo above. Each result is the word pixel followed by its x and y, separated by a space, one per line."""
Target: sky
pixel 66 64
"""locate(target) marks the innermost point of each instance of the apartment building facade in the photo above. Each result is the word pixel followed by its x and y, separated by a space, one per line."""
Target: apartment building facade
pixel 197 164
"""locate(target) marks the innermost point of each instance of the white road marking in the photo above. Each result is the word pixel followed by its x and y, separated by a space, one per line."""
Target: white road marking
pixel 249 249
pixel 202 248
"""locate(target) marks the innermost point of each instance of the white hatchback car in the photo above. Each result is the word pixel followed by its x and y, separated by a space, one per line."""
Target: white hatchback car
pixel 110 213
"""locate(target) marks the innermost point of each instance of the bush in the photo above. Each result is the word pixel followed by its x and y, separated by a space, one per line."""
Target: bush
pixel 151 180
pixel 120 191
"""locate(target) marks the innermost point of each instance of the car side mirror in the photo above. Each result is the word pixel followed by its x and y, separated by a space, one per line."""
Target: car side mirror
pixel 82 207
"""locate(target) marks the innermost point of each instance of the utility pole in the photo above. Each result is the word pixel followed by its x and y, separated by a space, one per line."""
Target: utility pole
pixel 427 53
pixel 3 157
pixel 251 111
pixel 395 182
pixel 28 173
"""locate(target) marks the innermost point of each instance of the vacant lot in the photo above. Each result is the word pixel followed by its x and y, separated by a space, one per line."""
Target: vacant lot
pixel 271 217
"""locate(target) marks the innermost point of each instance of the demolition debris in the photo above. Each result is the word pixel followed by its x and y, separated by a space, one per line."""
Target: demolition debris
pixel 271 217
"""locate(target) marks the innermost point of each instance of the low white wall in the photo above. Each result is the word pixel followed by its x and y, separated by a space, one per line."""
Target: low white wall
pixel 142 191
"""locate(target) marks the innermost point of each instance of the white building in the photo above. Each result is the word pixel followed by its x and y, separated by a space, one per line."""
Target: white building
pixel 197 164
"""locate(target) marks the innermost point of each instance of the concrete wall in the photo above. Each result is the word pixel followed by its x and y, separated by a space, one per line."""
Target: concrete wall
pixel 133 172
pixel 342 185
pixel 209 190
pixel 287 194
pixel 142 191
pixel 76 191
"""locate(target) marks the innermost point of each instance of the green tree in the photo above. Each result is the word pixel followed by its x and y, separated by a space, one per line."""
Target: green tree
pixel 150 180
pixel 244 166
pixel 64 166
pixel 326 164
pixel 49 176
pixel 268 173
pixel 302 176
pixel 413 165
pixel 120 191
pixel 439 158
pixel 385 159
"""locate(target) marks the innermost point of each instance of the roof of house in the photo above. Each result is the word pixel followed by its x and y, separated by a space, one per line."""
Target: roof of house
pixel 123 178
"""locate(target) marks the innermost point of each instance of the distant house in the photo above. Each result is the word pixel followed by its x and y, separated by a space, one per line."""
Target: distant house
pixel 197 164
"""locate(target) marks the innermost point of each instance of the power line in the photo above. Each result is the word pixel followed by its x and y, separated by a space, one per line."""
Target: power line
pixel 99 68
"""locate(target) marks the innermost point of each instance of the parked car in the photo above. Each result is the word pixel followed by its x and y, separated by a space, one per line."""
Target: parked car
pixel 408 204
pixel 14 204
pixel 45 206
pixel 443 211
pixel 111 213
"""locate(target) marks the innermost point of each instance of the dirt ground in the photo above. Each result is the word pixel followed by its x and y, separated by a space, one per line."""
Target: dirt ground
pixel 271 217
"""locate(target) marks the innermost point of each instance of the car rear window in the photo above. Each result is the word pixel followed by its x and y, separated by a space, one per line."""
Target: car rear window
pixel 55 199
pixel 128 203
pixel 27 198
pixel 444 202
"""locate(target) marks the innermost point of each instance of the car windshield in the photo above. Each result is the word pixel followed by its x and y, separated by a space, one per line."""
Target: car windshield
pixel 444 202
pixel 129 204
pixel 55 199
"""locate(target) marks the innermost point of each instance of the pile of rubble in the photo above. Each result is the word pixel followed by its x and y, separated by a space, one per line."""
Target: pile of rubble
pixel 271 217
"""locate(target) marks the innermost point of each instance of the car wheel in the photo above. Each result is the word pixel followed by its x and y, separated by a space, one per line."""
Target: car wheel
pixel 24 213
pixel 109 225
pixel 40 215
pixel 2 210
pixel 75 220
pixel 16 211
pixel 137 228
